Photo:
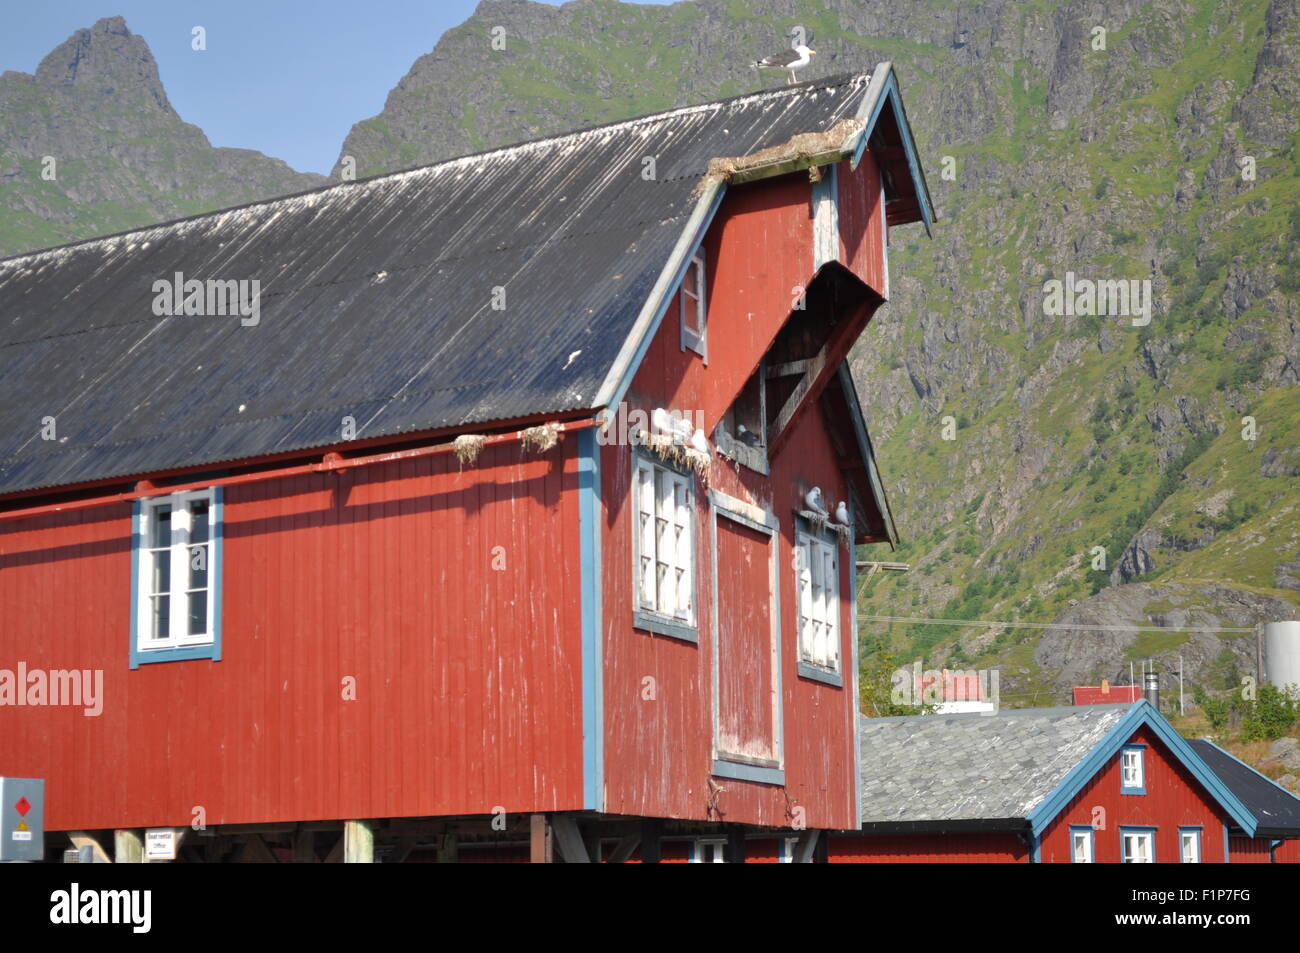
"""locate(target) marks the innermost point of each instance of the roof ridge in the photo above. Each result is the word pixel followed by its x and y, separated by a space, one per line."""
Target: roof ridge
pixel 830 82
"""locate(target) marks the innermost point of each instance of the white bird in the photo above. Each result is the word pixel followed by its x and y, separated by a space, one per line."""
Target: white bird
pixel 681 430
pixel 746 436
pixel 788 60
pixel 842 514
pixel 662 421
pixel 699 442
pixel 814 500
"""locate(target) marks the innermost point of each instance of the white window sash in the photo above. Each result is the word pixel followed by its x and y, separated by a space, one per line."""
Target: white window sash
pixel 664 538
pixel 819 601
pixel 694 313
pixel 178 593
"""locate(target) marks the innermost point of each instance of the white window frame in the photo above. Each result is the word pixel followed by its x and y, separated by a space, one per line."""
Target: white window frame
pixel 1132 770
pixel 819 607
pixel 788 847
pixel 696 338
pixel 1189 836
pixel 663 545
pixel 179 553
pixel 1128 856
pixel 1082 836
pixel 709 850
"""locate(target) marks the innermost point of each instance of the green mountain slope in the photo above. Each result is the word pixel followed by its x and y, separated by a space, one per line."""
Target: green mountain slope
pixel 118 154
pixel 1123 162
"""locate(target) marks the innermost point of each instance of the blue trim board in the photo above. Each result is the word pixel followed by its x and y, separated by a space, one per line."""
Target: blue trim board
pixel 1092 842
pixel 212 651
pixel 644 345
pixel 1142 770
pixel 1227 852
pixel 739 771
pixel 1137 829
pixel 890 94
pixel 1035 849
pixel 1139 714
pixel 593 690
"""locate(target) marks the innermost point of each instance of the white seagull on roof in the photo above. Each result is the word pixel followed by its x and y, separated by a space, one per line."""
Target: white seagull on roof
pixel 788 60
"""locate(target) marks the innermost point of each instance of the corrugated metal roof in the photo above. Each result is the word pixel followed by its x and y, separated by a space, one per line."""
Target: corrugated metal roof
pixel 974 767
pixel 376 299
pixel 1276 810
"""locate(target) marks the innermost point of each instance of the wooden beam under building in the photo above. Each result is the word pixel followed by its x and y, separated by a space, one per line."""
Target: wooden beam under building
pixel 541 849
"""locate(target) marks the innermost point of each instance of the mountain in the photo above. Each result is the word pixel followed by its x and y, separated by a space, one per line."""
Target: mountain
pixel 122 157
pixel 1110 139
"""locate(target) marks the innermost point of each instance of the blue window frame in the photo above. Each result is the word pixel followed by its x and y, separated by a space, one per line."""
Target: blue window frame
pixel 1137 845
pixel 1081 845
pixel 1132 769
pixel 1189 845
pixel 176 544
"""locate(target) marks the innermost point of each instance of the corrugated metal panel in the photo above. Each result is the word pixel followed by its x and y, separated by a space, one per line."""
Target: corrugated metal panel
pixel 376 300
pixel 991 848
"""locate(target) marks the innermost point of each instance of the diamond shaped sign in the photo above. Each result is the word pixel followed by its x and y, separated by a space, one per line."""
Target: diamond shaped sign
pixel 23 806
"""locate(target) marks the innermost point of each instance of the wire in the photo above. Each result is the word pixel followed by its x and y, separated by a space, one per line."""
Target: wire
pixel 1050 625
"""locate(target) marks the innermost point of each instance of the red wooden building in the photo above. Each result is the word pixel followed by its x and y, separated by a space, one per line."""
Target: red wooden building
pixel 507 502
pixel 1088 784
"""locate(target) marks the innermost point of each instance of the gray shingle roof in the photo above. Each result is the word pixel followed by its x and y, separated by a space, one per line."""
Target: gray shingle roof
pixel 376 299
pixel 930 769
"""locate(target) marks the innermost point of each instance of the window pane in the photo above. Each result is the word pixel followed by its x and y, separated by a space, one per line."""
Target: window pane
pixel 199 521
pixel 161 576
pixel 198 557
pixel 160 526
pixel 198 613
pixel 690 281
pixel 161 617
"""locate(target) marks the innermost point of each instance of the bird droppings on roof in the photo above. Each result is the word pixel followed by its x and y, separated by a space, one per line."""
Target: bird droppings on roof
pixel 553 220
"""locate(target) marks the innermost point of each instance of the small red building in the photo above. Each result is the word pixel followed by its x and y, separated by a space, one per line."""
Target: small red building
pixel 1106 694
pixel 1090 784
pixel 506 502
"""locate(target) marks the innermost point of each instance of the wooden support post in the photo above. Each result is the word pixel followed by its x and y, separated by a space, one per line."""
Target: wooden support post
pixel 735 845
pixel 805 846
pixel 358 842
pixel 80 840
pixel 304 847
pixel 624 849
pixel 255 851
pixel 650 849
pixel 541 848
pixel 569 840
pixel 335 856
pixel 128 847
pixel 449 849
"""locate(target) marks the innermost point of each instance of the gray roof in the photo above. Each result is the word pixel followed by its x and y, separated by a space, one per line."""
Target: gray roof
pixel 376 300
pixel 1275 809
pixel 973 770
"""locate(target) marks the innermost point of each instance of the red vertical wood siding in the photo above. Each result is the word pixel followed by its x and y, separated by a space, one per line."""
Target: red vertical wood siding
pixel 468 679
pixel 863 235
pixel 1174 799
pixel 991 848
pixel 1250 850
pixel 658 753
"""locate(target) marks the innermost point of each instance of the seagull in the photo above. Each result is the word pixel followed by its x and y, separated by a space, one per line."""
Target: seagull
pixel 842 514
pixel 661 421
pixel 699 442
pixel 814 500
pixel 788 60
pixel 746 436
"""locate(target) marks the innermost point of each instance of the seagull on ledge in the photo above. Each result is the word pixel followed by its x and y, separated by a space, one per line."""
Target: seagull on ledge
pixel 788 60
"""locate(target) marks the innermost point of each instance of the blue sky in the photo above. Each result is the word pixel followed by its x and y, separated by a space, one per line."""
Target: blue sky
pixel 285 78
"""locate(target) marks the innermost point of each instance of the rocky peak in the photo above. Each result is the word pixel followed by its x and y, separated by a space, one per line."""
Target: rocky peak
pixel 106 60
